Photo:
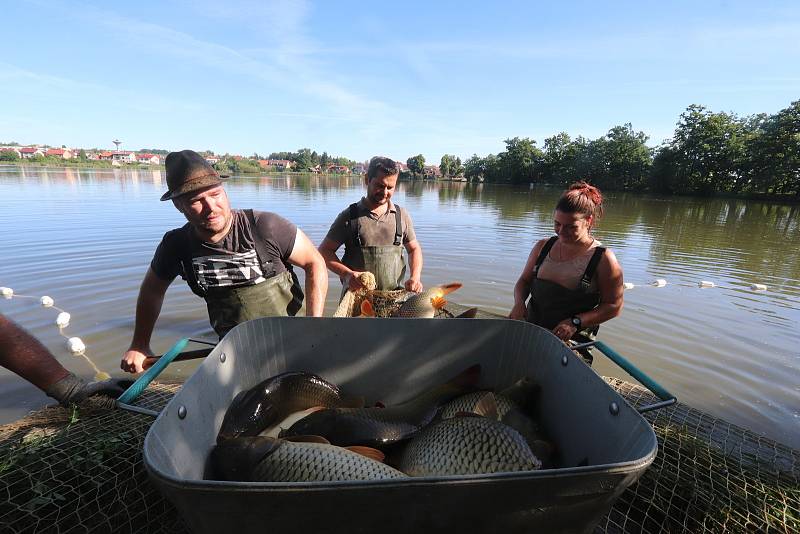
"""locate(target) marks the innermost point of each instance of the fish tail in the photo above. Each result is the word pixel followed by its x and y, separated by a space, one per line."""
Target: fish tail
pixel 449 288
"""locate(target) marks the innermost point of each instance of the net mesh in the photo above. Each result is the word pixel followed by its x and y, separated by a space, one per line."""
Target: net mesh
pixel 67 471
pixel 709 476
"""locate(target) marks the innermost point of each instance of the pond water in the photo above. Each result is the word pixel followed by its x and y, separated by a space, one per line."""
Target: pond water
pixel 85 238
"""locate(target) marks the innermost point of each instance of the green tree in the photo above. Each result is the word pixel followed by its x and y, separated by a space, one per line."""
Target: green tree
pixel 82 156
pixel 706 154
pixel 416 164
pixel 521 162
pixel 9 155
pixel 773 150
pixel 621 159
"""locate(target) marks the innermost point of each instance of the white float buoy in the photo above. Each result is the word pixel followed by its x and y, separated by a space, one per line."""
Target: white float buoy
pixel 7 292
pixel 706 283
pixel 76 346
pixel 62 320
pixel 659 282
pixel 758 287
pixel 46 301
pixel 628 285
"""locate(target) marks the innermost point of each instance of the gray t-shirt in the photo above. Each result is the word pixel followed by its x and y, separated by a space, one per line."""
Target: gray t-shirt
pixel 374 231
pixel 233 261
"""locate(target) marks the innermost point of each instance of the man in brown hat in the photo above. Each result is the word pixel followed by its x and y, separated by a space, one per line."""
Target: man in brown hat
pixel 239 261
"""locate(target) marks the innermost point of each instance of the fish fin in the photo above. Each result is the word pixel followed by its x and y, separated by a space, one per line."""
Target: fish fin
pixel 369 452
pixel 438 302
pixel 469 314
pixel 487 407
pixel 307 439
pixel 449 288
pixel 467 378
pixel 366 309
pixel 353 402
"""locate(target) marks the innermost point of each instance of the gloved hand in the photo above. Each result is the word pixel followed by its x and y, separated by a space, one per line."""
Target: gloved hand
pixel 73 389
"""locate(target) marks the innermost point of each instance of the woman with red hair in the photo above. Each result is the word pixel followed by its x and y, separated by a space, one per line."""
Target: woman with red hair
pixel 574 282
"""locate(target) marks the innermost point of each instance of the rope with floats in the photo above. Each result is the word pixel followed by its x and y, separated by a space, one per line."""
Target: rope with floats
pixel 702 284
pixel 75 345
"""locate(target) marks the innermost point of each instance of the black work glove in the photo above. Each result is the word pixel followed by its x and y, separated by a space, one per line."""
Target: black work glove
pixel 72 389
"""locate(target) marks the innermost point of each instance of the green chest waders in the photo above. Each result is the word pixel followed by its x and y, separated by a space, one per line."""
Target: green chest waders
pixel 386 262
pixel 279 295
pixel 550 303
pixel 274 297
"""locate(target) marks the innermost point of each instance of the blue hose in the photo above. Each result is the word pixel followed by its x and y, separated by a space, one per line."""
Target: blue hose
pixel 143 381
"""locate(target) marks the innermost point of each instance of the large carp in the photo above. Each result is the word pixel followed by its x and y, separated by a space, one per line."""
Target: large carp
pixel 467 445
pixel 377 427
pixel 266 459
pixel 426 303
pixel 272 400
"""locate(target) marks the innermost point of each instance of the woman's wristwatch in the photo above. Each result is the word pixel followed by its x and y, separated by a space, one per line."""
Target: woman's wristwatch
pixel 576 322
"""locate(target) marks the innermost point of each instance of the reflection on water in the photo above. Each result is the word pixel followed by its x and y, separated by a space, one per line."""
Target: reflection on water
pixel 85 237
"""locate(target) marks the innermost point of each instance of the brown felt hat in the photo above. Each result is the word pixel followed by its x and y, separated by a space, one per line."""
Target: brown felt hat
pixel 188 171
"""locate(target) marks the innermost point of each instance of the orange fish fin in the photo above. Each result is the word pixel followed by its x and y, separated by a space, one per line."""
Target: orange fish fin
pixel 467 414
pixel 366 309
pixel 307 439
pixel 487 406
pixel 369 452
pixel 438 302
pixel 449 288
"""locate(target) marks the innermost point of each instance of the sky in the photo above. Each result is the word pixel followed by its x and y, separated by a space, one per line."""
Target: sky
pixel 359 79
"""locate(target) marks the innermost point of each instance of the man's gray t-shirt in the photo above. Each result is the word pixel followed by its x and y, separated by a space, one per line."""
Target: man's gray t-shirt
pixel 233 261
pixel 374 231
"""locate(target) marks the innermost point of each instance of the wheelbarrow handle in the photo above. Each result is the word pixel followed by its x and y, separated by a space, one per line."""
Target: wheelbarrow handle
pixel 143 381
pixel 667 398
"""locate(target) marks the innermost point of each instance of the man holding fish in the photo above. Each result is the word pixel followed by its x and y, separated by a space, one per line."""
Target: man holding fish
pixel 239 261
pixel 374 231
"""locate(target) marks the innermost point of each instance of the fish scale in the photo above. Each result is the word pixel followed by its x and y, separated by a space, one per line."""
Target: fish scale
pixel 467 445
pixel 317 462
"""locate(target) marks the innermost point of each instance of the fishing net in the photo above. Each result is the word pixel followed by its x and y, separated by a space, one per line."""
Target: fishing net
pixel 708 476
pixel 81 470
pixel 65 471
pixel 383 302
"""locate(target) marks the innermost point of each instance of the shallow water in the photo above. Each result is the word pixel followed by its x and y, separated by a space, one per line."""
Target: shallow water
pixel 86 237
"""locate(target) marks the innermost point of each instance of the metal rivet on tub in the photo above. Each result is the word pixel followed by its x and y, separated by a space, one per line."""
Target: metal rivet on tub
pixel 222 357
pixel 564 360
pixel 613 408
pixel 181 412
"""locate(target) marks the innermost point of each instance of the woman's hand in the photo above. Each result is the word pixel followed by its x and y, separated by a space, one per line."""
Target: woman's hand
pixel 565 330
pixel 518 312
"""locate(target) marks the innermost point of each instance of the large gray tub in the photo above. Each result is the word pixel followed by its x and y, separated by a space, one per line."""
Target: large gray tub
pixel 603 450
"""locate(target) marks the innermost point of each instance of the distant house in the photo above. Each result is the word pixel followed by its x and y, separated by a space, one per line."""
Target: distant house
pixel 338 169
pixel 212 160
pixel 402 167
pixel 280 164
pixel 63 153
pixel 28 152
pixel 123 156
pixel 359 168
pixel 432 171
pixel 10 149
pixel 315 169
pixel 105 156
pixel 150 159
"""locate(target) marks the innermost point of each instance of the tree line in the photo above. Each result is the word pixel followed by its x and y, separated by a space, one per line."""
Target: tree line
pixel 709 153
